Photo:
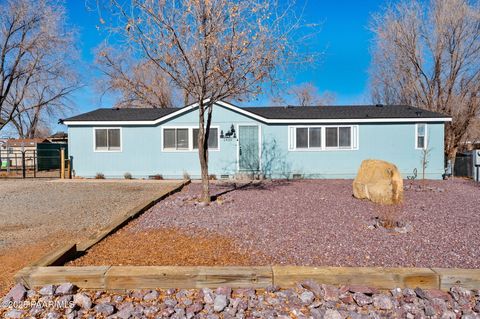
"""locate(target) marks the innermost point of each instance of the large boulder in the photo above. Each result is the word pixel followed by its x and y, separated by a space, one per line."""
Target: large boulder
pixel 378 181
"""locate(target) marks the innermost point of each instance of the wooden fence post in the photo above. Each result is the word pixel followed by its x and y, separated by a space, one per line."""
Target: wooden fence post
pixel 62 163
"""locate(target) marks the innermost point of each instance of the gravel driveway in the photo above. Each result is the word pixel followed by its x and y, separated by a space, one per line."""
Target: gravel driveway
pixel 36 215
pixel 304 223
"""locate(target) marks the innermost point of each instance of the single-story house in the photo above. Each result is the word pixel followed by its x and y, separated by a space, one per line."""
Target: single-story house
pixel 279 142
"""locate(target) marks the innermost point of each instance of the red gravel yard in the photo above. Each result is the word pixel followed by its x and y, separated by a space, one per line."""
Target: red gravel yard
pixel 308 222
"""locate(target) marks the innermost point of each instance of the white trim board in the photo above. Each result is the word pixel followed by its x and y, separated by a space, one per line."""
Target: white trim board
pixel 261 118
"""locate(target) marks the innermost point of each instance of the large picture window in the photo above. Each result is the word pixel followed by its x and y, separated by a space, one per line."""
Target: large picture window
pixel 186 139
pixel 107 139
pixel 323 138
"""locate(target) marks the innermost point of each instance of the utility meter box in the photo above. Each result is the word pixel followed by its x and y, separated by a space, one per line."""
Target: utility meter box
pixel 476 165
pixel 476 157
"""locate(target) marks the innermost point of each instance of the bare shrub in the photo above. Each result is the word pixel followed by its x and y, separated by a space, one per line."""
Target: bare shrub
pixel 99 176
pixel 186 176
pixel 390 216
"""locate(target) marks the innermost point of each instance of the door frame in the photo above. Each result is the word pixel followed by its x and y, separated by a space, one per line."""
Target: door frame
pixel 259 144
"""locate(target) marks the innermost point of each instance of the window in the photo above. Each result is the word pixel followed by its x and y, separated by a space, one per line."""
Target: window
pixel 331 137
pixel 308 137
pixel 323 137
pixel 175 138
pixel 212 138
pixel 421 133
pixel 302 137
pixel 315 137
pixel 186 139
pixel 339 137
pixel 107 139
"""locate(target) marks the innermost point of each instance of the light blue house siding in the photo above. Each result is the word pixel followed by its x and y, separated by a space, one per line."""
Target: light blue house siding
pixel 141 151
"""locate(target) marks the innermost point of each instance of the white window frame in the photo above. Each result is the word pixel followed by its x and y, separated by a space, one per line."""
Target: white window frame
pixel 107 150
pixel 190 139
pixel 425 137
pixel 292 138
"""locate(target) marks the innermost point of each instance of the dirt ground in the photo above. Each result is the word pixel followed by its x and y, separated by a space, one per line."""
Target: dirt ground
pixel 316 223
pixel 36 216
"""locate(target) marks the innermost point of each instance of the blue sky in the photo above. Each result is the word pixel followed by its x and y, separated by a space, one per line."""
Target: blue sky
pixel 344 38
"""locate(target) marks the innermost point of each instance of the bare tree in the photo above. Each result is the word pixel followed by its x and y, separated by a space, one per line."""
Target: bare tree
pixel 140 83
pixel 428 55
pixel 36 63
pixel 214 50
pixel 306 94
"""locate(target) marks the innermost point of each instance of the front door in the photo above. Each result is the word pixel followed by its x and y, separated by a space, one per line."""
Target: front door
pixel 248 148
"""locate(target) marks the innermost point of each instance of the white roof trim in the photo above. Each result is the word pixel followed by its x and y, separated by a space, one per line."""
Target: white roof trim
pixel 261 118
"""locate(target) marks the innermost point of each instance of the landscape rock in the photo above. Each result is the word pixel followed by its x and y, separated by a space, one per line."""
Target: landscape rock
pixel 332 314
pixel 330 293
pixel 83 301
pixel 307 297
pixel 14 314
pixel 382 302
pixel 208 297
pixel 153 295
pixel 65 289
pixel 227 291
pixel 17 293
pixel 48 290
pixel 52 315
pixel 104 309
pixel 477 307
pixel 313 287
pixel 379 181
pixel 362 299
pixel 220 303
pixel 460 294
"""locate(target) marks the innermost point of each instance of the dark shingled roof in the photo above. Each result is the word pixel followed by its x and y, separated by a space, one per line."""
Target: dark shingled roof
pixel 273 113
pixel 134 114
pixel 343 112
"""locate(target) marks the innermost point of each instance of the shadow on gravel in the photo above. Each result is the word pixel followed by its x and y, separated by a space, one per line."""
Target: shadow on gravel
pixel 233 186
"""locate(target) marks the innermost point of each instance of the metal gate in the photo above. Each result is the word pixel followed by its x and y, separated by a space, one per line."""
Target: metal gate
pixel 42 162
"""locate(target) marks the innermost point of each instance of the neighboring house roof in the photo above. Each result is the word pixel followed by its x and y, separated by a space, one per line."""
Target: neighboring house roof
pixel 26 142
pixel 362 113
pixel 59 135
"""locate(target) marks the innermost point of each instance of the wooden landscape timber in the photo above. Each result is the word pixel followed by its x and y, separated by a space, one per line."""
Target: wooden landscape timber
pixel 184 277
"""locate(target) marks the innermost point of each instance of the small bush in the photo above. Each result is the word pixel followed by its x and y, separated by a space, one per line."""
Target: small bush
pixel 99 176
pixel 157 177
pixel 212 177
pixel 127 175
pixel 186 176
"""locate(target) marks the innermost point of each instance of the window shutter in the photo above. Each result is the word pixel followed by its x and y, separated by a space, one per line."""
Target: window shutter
pixel 291 138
